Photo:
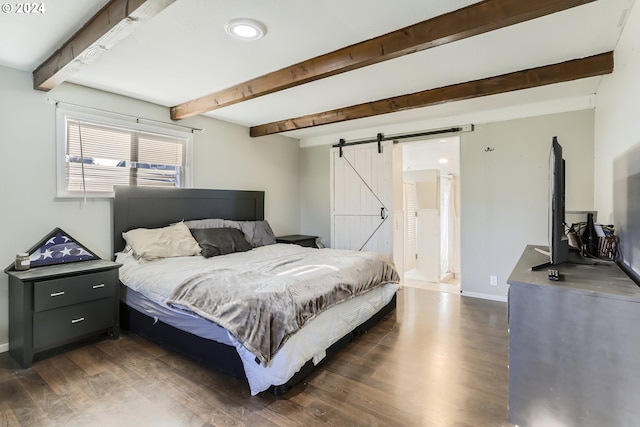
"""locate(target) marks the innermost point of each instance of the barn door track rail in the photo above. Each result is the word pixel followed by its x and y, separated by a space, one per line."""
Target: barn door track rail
pixel 380 137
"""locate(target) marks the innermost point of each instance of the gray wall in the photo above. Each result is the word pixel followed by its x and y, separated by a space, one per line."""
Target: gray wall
pixel 224 157
pixel 504 192
pixel 617 143
pixel 315 217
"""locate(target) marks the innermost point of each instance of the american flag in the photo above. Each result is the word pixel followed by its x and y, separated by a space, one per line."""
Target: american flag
pixel 59 248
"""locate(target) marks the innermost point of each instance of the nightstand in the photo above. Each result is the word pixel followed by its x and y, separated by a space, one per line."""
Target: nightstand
pixel 298 239
pixel 51 306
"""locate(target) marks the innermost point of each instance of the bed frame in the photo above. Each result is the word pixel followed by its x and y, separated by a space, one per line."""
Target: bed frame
pixel 150 207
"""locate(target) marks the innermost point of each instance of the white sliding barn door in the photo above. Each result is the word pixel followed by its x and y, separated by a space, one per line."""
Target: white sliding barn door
pixel 362 198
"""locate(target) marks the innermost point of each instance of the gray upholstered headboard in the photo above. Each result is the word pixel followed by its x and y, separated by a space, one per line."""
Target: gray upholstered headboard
pixel 150 207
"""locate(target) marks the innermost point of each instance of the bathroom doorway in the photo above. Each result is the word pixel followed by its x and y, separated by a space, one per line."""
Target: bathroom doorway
pixel 431 204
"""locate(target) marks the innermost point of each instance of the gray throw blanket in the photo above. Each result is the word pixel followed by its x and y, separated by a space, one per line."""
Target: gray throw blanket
pixel 264 303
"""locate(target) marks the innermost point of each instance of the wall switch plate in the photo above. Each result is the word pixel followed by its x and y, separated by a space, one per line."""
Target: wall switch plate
pixel 493 280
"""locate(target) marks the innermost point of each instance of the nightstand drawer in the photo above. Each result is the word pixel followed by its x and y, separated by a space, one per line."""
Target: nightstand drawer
pixel 53 327
pixel 65 291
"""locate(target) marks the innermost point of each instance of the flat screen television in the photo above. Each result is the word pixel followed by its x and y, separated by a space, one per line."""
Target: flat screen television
pixel 558 241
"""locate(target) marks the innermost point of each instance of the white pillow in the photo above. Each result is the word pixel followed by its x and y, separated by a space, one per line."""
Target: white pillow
pixel 153 243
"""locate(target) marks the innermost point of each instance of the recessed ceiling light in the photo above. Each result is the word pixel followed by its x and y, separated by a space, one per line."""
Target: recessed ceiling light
pixel 443 160
pixel 245 29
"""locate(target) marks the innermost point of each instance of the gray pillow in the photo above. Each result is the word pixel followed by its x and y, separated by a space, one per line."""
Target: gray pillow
pixel 220 241
pixel 258 233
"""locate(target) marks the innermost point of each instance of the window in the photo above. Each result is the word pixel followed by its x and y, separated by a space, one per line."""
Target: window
pixel 95 153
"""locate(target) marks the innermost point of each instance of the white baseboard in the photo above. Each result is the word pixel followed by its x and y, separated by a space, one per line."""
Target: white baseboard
pixel 4 347
pixel 501 298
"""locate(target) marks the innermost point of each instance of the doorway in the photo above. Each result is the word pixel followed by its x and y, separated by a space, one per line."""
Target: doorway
pixel 431 205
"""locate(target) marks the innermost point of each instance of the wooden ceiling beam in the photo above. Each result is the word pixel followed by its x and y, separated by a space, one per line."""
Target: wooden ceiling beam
pixel 482 17
pixel 112 23
pixel 557 73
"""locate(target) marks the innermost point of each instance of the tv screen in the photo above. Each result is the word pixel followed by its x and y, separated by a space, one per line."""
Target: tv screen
pixel 558 241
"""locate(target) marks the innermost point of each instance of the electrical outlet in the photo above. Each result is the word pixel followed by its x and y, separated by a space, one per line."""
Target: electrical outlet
pixel 493 280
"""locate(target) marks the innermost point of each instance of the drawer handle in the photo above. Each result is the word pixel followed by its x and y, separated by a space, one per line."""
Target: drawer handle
pixel 79 319
pixel 101 285
pixel 57 294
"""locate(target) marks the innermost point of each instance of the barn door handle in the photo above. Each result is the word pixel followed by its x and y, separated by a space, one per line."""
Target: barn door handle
pixel 382 209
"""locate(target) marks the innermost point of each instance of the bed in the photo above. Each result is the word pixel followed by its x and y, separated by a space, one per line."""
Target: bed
pixel 152 307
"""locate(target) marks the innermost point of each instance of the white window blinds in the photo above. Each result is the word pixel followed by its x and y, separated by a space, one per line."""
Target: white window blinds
pixel 98 156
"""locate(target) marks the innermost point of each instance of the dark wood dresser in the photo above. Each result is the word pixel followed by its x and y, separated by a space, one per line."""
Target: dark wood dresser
pixel 299 239
pixel 51 306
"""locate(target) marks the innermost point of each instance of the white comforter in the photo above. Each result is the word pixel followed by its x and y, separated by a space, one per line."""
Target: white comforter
pixel 158 279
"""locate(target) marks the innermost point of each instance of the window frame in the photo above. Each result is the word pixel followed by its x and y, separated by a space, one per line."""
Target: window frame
pixel 107 120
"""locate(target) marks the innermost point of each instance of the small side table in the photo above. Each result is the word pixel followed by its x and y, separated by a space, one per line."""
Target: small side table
pixel 51 306
pixel 298 239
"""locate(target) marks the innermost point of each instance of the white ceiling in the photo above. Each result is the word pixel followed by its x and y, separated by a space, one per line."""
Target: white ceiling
pixel 184 53
pixel 431 154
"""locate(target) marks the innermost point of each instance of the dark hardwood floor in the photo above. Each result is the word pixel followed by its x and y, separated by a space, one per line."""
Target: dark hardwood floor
pixel 439 360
